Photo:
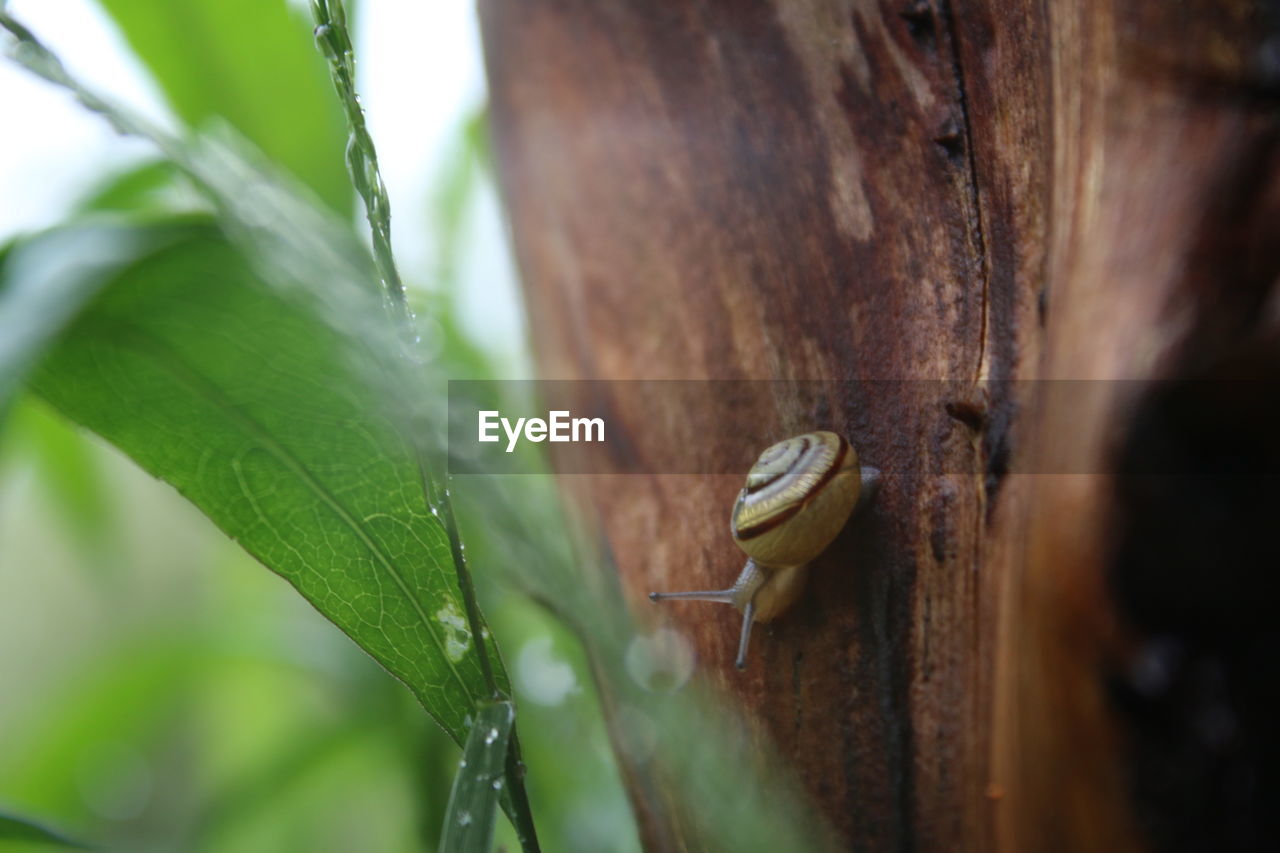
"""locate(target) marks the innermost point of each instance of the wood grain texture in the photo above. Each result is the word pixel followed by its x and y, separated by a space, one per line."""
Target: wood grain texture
pixel 963 197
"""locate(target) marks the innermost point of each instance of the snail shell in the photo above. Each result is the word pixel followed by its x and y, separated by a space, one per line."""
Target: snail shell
pixel 797 498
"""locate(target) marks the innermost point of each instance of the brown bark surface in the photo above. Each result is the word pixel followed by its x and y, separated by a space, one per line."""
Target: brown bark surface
pixel 986 193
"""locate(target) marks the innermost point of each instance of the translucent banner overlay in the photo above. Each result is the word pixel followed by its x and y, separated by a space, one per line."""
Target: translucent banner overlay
pixel 654 427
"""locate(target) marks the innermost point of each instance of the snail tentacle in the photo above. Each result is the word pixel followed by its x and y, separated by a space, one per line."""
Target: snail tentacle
pixel 749 581
pixel 719 596
pixel 748 617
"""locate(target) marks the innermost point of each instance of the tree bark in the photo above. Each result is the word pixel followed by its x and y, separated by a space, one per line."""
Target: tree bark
pixel 943 205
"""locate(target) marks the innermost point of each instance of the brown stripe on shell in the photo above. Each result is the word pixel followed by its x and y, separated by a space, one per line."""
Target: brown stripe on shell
pixel 774 521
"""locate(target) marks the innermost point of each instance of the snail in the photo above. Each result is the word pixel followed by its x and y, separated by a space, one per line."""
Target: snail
pixel 798 496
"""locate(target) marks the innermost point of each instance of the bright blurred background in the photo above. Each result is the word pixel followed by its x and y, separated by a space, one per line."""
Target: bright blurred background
pixel 159 689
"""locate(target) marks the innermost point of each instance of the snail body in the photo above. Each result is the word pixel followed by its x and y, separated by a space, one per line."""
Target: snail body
pixel 797 498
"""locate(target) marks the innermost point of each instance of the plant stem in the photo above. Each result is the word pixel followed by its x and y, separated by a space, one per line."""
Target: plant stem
pixel 468 593
pixel 334 41
pixel 362 163
pixel 522 813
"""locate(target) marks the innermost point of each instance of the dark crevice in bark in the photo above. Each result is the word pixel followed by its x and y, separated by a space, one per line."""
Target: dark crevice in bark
pixel 997 416
pixel 965 133
pixel 921 23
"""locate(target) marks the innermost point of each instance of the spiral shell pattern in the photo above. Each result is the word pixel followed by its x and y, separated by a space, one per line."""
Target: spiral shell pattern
pixel 798 496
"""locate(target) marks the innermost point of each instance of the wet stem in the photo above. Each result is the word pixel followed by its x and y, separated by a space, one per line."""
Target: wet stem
pixel 334 41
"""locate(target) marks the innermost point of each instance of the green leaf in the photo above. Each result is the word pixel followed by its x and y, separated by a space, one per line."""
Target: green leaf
pixel 473 804
pixel 292 432
pixel 13 828
pixel 44 283
pixel 251 62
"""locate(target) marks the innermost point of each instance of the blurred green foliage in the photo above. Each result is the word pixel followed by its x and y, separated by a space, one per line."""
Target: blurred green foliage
pixel 242 61
pixel 23 831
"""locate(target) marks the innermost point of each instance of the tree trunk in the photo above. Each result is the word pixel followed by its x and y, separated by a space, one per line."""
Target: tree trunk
pixel 944 205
